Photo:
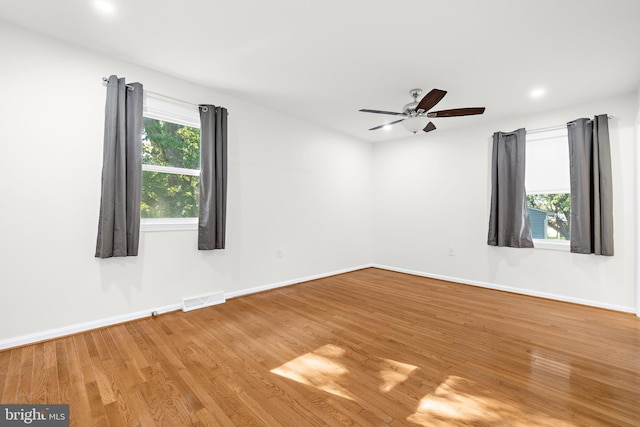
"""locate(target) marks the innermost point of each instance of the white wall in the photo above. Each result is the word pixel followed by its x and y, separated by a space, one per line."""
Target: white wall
pixel 432 193
pixel 292 186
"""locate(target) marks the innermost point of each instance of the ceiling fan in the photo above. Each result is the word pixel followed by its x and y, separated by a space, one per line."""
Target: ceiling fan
pixel 416 114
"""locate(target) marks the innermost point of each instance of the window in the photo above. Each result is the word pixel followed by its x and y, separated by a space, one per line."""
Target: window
pixel 548 187
pixel 170 164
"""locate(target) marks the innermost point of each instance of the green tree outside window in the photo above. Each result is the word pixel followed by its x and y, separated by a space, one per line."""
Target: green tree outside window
pixel 169 194
pixel 558 207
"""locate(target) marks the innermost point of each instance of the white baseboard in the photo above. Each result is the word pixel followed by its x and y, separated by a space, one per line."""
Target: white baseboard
pixel 82 327
pixel 293 281
pixel 101 323
pixel 511 289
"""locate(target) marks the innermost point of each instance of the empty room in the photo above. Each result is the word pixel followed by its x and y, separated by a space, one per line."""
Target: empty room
pixel 296 213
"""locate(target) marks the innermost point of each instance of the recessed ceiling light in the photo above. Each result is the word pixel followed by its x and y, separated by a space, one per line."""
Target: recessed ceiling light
pixel 386 127
pixel 537 92
pixel 105 7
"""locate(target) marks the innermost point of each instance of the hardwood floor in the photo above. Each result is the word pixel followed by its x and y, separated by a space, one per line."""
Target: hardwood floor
pixel 370 348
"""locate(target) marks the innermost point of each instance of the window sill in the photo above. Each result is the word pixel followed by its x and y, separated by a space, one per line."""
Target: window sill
pixel 168 224
pixel 555 245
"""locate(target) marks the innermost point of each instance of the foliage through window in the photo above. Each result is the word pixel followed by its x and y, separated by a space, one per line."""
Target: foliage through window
pixel 547 184
pixel 170 166
pixel 549 215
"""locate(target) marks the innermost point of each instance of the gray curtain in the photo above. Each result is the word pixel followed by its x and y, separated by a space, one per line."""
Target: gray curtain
pixel 591 188
pixel 213 177
pixel 509 217
pixel 119 221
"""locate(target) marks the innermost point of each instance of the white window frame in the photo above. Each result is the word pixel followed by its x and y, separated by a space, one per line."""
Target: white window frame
pixel 558 245
pixel 167 109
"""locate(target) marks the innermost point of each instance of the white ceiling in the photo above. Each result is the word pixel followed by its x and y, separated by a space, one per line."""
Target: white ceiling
pixel 324 60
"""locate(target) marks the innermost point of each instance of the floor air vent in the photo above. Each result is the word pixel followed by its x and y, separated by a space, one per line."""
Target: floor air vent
pixel 202 301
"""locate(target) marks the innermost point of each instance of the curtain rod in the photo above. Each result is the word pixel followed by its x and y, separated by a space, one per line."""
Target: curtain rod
pixel 105 80
pixel 159 95
pixel 548 129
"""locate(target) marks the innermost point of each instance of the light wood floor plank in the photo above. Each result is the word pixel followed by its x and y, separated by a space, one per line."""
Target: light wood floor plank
pixel 39 387
pixel 25 381
pixel 12 380
pixel 50 373
pixel 77 384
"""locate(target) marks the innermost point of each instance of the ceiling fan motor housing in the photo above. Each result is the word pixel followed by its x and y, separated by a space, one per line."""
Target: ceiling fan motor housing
pixel 411 108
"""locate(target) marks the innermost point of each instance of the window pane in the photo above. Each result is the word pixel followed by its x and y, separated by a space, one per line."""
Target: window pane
pixel 549 215
pixel 166 195
pixel 170 144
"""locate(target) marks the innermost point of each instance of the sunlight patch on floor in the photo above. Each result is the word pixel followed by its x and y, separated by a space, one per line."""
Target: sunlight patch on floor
pixel 327 368
pixel 447 402
pixel 394 373
pixel 458 401
pixel 319 369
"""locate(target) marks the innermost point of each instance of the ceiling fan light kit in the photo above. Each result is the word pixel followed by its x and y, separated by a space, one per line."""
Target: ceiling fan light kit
pixel 416 114
pixel 415 124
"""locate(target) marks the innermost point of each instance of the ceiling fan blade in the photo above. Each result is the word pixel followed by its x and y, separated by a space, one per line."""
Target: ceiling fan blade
pixel 364 110
pixel 431 99
pixel 387 124
pixel 429 127
pixel 456 112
